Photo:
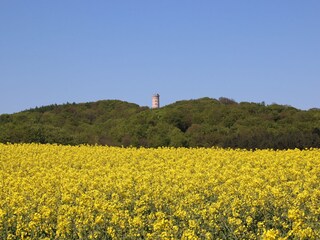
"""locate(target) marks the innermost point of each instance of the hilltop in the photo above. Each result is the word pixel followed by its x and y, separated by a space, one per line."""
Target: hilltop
pixel 201 122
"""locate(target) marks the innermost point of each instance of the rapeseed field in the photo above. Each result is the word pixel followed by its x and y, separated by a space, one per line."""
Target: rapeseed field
pixel 96 192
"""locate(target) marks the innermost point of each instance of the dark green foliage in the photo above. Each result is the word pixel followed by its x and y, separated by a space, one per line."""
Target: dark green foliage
pixel 203 122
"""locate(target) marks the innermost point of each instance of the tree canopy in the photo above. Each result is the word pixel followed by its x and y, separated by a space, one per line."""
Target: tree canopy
pixel 201 122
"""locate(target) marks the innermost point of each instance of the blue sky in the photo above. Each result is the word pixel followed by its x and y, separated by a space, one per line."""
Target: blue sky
pixel 83 51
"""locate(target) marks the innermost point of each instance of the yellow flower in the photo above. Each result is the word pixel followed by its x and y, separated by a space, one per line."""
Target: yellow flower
pixel 270 234
pixel 67 192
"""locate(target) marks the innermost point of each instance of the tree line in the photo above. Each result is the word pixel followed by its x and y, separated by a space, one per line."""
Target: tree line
pixel 201 122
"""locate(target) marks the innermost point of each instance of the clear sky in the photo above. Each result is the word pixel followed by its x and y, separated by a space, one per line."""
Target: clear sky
pixel 82 51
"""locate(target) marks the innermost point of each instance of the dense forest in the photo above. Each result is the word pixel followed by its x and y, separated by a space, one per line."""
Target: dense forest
pixel 202 122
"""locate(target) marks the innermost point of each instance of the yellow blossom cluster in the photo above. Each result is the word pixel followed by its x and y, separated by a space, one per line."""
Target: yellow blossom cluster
pixel 96 192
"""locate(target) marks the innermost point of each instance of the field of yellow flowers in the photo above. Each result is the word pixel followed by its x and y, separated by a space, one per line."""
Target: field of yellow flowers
pixel 95 192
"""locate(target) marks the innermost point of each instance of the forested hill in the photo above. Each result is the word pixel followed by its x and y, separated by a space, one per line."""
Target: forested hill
pixel 202 122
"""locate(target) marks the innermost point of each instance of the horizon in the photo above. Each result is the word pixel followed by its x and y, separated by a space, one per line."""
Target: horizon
pixel 161 106
pixel 78 51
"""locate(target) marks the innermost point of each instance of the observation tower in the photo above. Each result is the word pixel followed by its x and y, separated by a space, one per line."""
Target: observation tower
pixel 155 101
